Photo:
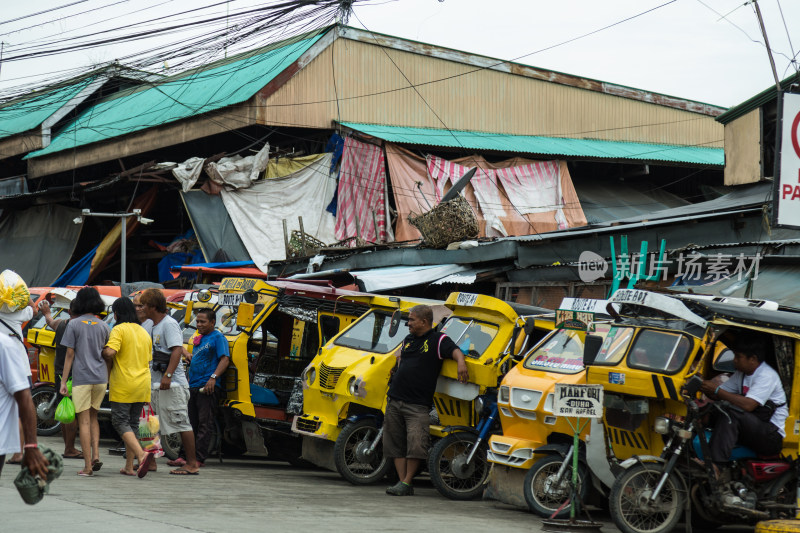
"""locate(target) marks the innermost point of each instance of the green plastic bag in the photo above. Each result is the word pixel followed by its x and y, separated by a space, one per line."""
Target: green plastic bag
pixel 65 412
pixel 32 489
pixel 69 387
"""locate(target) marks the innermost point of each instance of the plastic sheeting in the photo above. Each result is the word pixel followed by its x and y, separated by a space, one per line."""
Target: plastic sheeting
pixel 384 279
pixel 772 282
pixel 604 203
pixel 361 209
pixel 406 170
pixel 258 212
pixel 237 172
pixel 213 226
pixel 38 242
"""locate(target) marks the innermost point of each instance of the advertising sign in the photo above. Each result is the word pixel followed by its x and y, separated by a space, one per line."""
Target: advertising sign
pixel 787 204
pixel 585 401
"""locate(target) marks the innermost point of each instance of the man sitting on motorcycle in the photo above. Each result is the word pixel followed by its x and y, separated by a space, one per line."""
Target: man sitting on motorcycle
pixel 759 406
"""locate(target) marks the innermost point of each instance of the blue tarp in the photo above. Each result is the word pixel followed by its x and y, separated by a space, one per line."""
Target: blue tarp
pixel 77 274
pixel 229 264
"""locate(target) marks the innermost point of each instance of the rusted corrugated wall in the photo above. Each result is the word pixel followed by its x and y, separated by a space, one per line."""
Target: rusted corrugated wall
pixel 370 88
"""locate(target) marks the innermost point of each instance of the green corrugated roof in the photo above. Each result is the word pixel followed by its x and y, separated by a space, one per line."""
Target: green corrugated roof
pixel 530 144
pixel 217 86
pixel 29 112
pixel 767 95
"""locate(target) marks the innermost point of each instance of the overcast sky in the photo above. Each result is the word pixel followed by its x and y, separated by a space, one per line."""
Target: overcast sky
pixel 683 48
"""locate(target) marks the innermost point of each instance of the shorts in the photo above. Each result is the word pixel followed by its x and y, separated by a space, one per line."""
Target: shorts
pixel 406 430
pixel 125 417
pixel 172 408
pixel 86 396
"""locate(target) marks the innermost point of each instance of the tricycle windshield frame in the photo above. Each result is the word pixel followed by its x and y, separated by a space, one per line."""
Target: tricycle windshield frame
pixel 561 352
pixel 371 333
pixel 662 352
pixel 471 336
pixel 616 343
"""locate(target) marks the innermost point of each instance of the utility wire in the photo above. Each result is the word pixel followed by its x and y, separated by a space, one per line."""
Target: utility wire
pixel 42 12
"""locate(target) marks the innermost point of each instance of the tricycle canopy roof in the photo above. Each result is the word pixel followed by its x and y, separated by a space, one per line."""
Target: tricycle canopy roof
pixel 735 314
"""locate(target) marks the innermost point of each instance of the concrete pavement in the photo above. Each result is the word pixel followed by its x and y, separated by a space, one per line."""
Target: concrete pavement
pixel 242 496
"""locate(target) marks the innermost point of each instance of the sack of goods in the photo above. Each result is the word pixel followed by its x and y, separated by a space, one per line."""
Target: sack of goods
pixel 14 293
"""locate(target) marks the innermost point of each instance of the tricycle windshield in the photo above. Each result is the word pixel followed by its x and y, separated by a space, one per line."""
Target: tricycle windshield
pixel 471 337
pixel 371 333
pixel 659 351
pixel 614 346
pixel 562 352
pixel 225 324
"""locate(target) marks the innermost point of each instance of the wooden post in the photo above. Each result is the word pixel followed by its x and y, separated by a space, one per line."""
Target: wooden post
pixel 302 236
pixel 286 239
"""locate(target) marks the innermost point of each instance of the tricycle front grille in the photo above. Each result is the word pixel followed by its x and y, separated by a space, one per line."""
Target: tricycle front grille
pixel 329 376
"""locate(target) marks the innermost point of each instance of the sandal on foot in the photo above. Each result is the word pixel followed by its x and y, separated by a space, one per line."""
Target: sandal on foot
pixel 78 455
pixel 183 472
pixel 85 474
pixel 126 473
pixel 97 464
pixel 180 461
pixel 144 465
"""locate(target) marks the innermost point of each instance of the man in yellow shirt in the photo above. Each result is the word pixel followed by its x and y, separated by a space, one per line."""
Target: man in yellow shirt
pixel 129 349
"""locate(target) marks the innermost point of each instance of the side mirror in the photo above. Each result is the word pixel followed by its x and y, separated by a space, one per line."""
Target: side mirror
pixel 187 316
pixel 591 347
pixel 394 325
pixel 514 337
pixel 204 296
pixel 250 296
pixel 244 315
pixel 692 386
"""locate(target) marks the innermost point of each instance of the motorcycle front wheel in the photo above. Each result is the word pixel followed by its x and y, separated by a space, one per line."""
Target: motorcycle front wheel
pixel 42 396
pixel 545 495
pixel 631 507
pixel 452 476
pixel 352 457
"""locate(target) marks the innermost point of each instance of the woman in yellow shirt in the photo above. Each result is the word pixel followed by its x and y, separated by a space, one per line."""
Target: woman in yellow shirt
pixel 129 350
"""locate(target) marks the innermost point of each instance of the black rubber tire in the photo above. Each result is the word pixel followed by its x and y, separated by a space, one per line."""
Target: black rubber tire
pixel 357 435
pixel 45 428
pixel 544 504
pixel 171 444
pixel 626 510
pixel 454 449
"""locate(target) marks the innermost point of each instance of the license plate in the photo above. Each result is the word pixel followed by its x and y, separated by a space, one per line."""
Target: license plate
pixel 231 300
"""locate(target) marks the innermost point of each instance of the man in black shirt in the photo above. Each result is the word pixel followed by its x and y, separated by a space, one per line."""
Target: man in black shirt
pixel 406 435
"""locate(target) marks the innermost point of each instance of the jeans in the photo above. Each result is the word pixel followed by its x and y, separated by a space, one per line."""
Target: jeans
pixel 202 414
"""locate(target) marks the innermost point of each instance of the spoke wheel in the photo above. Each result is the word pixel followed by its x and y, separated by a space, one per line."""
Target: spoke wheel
pixel 452 476
pixel 47 425
pixel 352 457
pixel 171 444
pixel 545 494
pixel 631 507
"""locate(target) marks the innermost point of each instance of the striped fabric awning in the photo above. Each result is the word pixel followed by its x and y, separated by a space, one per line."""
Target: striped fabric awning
pixel 361 196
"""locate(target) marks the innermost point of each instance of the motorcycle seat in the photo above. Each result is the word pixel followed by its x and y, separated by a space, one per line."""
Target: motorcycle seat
pixel 739 451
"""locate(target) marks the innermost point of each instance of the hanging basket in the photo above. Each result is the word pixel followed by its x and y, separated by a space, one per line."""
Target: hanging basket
pixel 448 222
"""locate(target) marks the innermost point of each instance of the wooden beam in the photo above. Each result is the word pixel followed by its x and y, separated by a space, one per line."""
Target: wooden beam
pixel 21 143
pixel 232 118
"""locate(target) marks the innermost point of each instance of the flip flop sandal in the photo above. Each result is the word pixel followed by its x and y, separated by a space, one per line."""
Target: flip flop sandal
pixel 12 462
pixel 79 456
pixel 182 472
pixel 180 461
pixel 144 465
pixel 124 473
pixel 84 474
pixel 97 464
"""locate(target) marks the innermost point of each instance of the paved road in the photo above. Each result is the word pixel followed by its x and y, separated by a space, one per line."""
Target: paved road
pixel 242 496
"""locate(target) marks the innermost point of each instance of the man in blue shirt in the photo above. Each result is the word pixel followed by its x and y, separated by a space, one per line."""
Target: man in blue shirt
pixel 209 359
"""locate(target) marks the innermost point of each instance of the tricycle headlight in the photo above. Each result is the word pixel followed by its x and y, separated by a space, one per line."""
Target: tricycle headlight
pixel 661 425
pixel 504 394
pixel 310 375
pixel 352 388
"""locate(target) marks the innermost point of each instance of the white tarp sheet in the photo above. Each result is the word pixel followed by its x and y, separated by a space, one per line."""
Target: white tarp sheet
pixel 384 279
pixel 258 211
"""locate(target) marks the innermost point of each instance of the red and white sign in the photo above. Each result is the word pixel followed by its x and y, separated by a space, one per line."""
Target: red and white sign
pixel 789 185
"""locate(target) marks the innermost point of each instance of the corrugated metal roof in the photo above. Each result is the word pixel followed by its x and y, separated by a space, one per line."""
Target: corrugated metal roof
pixel 220 85
pixel 21 115
pixel 767 95
pixel 530 144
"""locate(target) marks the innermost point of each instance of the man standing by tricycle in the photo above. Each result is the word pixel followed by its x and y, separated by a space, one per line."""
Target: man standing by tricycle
pixel 406 433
